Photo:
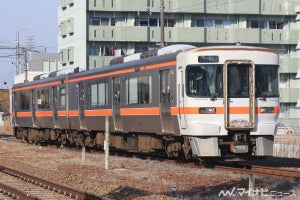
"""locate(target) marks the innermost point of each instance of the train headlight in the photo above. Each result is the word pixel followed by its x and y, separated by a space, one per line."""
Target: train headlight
pixel 267 109
pixel 207 110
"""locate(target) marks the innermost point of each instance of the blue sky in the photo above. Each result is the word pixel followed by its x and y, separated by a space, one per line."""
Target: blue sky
pixel 31 18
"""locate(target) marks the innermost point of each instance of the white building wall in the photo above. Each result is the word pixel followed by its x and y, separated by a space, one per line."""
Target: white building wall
pixel 77 39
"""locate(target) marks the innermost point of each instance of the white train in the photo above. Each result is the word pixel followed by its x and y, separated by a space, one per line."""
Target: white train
pixel 178 100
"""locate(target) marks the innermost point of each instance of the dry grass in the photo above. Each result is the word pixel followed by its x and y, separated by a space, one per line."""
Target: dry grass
pixel 6 128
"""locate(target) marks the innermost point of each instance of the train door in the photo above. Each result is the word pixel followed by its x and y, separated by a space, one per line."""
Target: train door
pixel 14 108
pixel 54 106
pixel 181 94
pixel 33 107
pixel 165 101
pixel 239 96
pixel 81 106
pixel 116 105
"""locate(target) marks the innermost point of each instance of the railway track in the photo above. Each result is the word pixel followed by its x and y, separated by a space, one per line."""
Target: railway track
pixel 243 168
pixel 19 185
pixel 293 175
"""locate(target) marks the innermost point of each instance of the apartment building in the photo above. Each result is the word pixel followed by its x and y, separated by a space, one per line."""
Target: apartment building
pixel 92 32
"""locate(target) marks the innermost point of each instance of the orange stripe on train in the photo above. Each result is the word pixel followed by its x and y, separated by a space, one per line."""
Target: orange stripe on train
pixel 219 110
pixel 140 111
pixel 24 114
pixel 102 112
pixel 43 113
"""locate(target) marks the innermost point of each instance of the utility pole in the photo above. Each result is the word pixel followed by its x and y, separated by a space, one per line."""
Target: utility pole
pixel 148 27
pixel 162 24
pixel 25 65
pixel 17 62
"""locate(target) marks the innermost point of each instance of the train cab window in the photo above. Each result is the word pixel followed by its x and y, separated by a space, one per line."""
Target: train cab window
pixel 43 99
pixel 62 94
pixel 139 90
pixel 99 96
pixel 266 81
pixel 24 101
pixel 204 81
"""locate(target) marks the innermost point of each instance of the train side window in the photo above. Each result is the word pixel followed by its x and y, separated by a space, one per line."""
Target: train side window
pixel 43 98
pixel 98 95
pixel 139 90
pixel 62 94
pixel 24 101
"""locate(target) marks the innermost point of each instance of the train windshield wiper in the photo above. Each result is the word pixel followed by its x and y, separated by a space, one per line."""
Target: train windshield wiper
pixel 213 97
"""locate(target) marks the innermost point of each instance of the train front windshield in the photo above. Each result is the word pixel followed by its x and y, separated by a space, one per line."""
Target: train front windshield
pixel 204 80
pixel 207 81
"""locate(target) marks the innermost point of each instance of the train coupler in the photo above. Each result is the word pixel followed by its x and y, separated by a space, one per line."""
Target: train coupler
pixel 239 143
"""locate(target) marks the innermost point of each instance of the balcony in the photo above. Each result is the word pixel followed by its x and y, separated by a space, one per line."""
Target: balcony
pixel 144 34
pixel 191 35
pixel 282 7
pixel 99 61
pixel 289 95
pixel 279 36
pixel 289 65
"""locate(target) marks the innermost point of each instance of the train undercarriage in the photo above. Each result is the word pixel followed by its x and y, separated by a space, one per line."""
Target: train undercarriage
pixel 236 144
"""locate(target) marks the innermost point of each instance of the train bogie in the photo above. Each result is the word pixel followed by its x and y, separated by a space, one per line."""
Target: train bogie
pixel 204 102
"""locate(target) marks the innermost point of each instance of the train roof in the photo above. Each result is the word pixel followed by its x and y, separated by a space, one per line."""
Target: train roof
pixel 164 54
pixel 153 56
pixel 234 48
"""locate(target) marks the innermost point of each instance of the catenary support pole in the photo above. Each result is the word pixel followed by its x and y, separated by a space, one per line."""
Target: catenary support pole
pixel 106 142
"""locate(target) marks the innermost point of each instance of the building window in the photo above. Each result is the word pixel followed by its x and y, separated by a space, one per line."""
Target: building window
pixel 99 94
pixel 265 24
pixel 71 55
pixel 218 23
pixel 139 90
pixel 103 21
pixel 272 25
pixel 214 23
pixel 169 22
pixel 63 56
pixel 153 22
pixel 209 23
pixel 43 99
pixel 49 66
pixel 95 21
pixel 112 21
pixel 198 23
pixel 252 24
pixel 141 22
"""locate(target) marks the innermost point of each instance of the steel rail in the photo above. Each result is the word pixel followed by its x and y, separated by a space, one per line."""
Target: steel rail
pixel 14 192
pixel 68 191
pixel 293 175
